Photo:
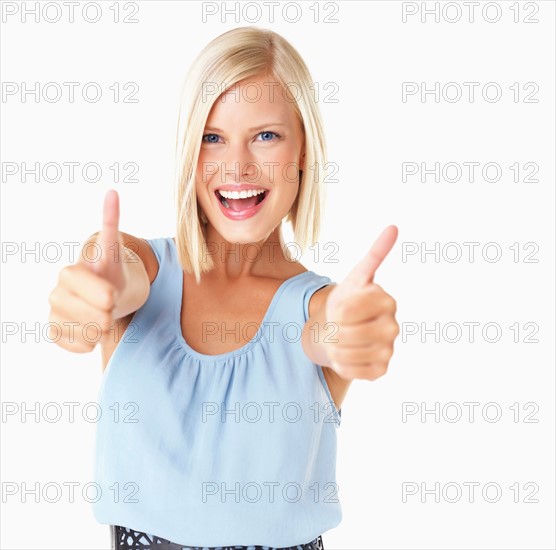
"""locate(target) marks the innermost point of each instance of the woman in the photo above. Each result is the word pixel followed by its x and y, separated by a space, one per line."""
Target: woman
pixel 231 359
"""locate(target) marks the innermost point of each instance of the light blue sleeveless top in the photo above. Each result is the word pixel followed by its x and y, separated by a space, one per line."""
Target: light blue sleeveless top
pixel 237 448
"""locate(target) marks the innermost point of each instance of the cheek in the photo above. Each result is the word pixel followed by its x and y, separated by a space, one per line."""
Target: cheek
pixel 285 168
pixel 205 167
pixel 200 184
pixel 203 178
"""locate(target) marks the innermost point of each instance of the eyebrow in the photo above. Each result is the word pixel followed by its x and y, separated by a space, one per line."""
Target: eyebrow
pixel 214 129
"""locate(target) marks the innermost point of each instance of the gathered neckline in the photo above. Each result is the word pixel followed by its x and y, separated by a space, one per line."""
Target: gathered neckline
pixel 229 354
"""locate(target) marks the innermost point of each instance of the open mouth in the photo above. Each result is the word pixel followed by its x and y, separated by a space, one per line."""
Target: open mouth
pixel 240 204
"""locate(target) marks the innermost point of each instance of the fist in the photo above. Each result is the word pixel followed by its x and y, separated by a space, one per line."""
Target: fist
pixel 364 315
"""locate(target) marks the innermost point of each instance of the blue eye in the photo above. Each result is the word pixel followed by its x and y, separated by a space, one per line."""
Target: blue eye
pixel 213 138
pixel 269 133
pixel 211 135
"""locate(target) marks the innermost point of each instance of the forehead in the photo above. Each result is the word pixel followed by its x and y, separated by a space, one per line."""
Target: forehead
pixel 252 100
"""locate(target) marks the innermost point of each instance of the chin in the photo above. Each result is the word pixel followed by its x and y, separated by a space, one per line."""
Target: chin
pixel 242 236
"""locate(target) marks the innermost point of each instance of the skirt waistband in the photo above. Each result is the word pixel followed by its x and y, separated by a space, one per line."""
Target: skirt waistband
pixel 123 538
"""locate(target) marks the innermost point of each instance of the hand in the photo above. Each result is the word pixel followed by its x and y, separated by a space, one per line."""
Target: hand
pixel 88 291
pixel 109 245
pixel 365 317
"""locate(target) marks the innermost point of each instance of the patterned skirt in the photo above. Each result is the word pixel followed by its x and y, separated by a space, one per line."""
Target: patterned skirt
pixel 123 538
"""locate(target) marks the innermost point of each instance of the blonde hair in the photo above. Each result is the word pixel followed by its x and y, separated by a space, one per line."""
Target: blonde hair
pixel 235 55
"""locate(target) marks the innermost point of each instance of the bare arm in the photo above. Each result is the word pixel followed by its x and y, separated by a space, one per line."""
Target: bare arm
pixel 315 350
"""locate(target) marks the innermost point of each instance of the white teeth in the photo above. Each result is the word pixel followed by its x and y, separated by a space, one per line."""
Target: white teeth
pixel 240 194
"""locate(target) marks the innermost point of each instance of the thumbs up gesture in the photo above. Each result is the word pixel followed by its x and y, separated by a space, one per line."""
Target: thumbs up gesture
pixel 364 315
pixel 109 244
pixel 88 292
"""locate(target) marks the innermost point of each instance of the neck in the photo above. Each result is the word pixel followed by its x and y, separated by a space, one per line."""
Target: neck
pixel 233 260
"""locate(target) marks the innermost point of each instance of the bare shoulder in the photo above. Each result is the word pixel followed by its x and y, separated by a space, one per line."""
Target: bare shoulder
pixel 318 299
pixel 142 248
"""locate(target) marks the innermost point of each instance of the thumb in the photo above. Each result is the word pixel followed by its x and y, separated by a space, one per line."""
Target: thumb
pixel 109 238
pixel 363 273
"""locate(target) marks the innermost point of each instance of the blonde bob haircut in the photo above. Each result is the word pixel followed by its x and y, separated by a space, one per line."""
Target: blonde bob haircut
pixel 235 55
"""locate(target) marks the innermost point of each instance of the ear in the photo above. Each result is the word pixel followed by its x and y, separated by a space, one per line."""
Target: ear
pixel 302 161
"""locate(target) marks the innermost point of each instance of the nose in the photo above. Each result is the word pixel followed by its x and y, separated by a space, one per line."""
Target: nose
pixel 237 164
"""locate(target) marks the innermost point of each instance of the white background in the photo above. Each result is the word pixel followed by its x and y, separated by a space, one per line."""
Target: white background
pixel 370 131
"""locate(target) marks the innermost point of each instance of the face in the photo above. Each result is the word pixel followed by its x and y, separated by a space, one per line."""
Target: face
pixel 253 144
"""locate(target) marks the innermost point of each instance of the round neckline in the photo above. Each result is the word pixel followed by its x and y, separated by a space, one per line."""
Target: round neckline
pixel 234 353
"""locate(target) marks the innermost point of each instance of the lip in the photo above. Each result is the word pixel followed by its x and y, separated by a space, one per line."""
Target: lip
pixel 244 214
pixel 240 187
